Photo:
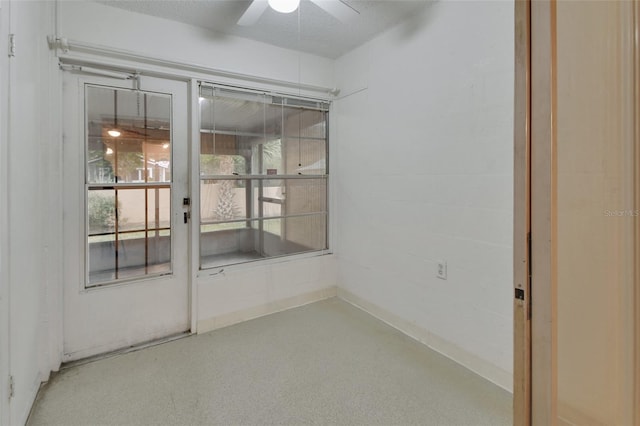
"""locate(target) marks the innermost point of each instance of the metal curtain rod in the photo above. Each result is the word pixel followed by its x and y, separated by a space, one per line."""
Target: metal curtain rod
pixel 97 71
pixel 240 89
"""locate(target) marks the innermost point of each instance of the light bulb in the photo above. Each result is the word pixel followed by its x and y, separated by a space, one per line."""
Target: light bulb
pixel 284 6
pixel 114 133
pixel 109 151
pixel 165 145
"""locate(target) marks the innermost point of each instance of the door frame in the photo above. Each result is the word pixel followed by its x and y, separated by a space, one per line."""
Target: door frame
pixel 636 79
pixel 5 365
pixel 193 154
pixel 522 216
pixel 543 175
pixel 534 219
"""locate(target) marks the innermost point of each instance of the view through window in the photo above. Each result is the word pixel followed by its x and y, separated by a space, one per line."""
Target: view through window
pixel 128 183
pixel 263 176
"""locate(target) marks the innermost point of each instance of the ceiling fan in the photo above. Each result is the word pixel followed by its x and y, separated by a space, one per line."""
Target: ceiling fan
pixel 339 9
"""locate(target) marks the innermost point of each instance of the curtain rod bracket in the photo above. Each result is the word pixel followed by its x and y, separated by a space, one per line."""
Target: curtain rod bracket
pixel 58 43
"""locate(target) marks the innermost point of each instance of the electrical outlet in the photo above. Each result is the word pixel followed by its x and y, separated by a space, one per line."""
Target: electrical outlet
pixel 442 270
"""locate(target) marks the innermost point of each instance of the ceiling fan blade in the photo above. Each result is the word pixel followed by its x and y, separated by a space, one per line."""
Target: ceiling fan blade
pixel 253 13
pixel 338 9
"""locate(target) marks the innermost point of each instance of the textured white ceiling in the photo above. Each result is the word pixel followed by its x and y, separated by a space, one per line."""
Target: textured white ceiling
pixel 310 29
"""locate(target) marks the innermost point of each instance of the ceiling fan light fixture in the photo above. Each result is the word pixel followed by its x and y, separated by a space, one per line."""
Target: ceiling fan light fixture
pixel 114 133
pixel 284 6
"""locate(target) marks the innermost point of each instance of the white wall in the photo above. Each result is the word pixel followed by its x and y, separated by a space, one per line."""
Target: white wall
pixel 425 173
pixel 108 26
pixel 27 219
pixel 249 291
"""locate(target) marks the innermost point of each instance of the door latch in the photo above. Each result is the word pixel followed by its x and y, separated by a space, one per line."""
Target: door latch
pixel 519 294
pixel 186 216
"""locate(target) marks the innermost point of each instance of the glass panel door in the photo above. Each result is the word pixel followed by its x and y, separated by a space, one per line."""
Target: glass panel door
pixel 126 243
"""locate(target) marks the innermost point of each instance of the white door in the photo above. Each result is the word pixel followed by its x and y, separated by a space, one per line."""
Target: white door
pixel 125 225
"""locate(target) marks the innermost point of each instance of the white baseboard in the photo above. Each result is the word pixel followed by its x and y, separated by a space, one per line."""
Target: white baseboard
pixel 494 374
pixel 225 320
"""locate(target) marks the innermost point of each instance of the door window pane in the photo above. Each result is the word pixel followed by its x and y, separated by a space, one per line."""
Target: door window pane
pixel 128 172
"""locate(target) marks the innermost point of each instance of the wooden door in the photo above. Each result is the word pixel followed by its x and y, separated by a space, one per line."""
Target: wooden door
pixel 579 364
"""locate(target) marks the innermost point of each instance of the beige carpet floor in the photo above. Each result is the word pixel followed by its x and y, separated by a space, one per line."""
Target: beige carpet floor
pixel 326 363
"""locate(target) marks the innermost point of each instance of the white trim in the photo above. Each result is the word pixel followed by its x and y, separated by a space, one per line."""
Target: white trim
pixel 494 374
pixel 332 183
pixel 193 170
pixel 53 225
pixel 4 216
pixel 74 52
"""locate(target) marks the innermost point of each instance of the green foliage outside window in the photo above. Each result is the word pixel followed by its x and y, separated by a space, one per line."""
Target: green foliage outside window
pixel 102 213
